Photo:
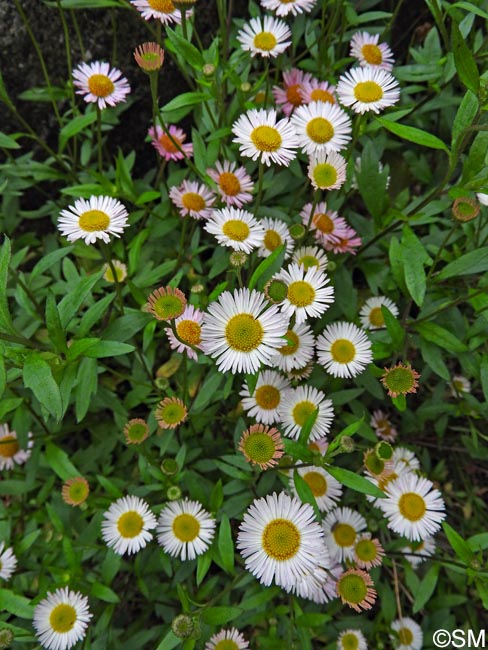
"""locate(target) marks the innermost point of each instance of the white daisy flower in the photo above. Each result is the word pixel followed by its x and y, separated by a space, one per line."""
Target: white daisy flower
pixel 276 234
pixel 371 316
pixel 351 640
pixel 404 461
pixel 344 350
pixel 409 635
pixel 263 404
pixel 413 507
pixel 368 89
pixel 266 36
pixel 242 331
pixel 279 539
pixel 234 184
pixel 326 489
pixel 366 49
pixel 418 552
pixel 235 228
pixel 458 385
pixel 382 426
pixel 310 257
pixel 327 170
pixel 285 7
pixel 298 405
pixel 60 620
pixel 321 126
pixel 163 10
pixel 341 529
pixel 260 136
pixel 297 351
pixel 307 292
pixel 11 454
pixel 482 198
pixel 188 332
pixel 100 84
pixel 8 561
pixel 126 525
pixel 227 640
pixel 185 529
pixel 92 219
pixel 193 199
pixel 319 585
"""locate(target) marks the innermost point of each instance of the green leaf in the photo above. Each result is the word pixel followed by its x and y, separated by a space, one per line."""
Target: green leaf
pixel 400 403
pixel 38 377
pixel 49 260
pixel 169 642
pixel 465 115
pixel 104 593
pixel 86 387
pixel 277 255
pixel 226 545
pixel 54 327
pixel 7 142
pixel 393 327
pixel 440 336
pixel 469 7
pixel 16 605
pixel 484 376
pixel 412 134
pixel 478 542
pixel 59 462
pixel 3 375
pixel 87 4
pixel 9 404
pixel 312 620
pixel 71 303
pixel 184 48
pixel 220 615
pixel 5 318
pixel 468 264
pixel 74 126
pixel 414 256
pixel 459 545
pixel 426 588
pixel 183 104
pixel 307 427
pixel 108 349
pixel 464 60
pixel 298 451
pixel 433 358
pixel 203 565
pixel 349 431
pixel 354 481
pixel 207 391
pixel 305 493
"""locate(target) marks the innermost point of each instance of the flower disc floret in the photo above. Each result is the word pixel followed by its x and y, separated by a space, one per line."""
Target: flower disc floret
pixel 400 380
pixel 171 412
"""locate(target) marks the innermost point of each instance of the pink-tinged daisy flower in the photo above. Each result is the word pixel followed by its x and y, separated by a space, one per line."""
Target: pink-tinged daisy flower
pixel 347 243
pixel 325 224
pixel 234 184
pixel 193 199
pixel 227 640
pixel 356 589
pixel 321 126
pixel 188 332
pixel 100 84
pixel 166 147
pixel 163 10
pixel 11 453
pixel 383 427
pixel 309 294
pixel 262 445
pixel 149 56
pixel 366 49
pixel 368 552
pixel 368 89
pixel 92 219
pixel 400 379
pixel 327 170
pixel 289 97
pixel 320 445
pixel 265 36
pixel 318 91
pixel 286 7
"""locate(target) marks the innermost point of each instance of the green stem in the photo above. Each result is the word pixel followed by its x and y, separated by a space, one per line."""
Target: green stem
pixel 315 202
pixel 99 139
pixel 454 303
pixel 184 27
pixel 11 338
pixel 69 64
pixel 107 256
pixel 441 248
pixel 266 88
pixel 259 195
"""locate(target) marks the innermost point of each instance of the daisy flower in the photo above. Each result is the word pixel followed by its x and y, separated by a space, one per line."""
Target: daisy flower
pixel 241 331
pixel 327 170
pixel 321 445
pixel 298 405
pixel 11 453
pixel 174 148
pixel 285 7
pixel 325 225
pixel 279 539
pixel 368 89
pixel 163 10
pixel 368 552
pixel 261 137
pixel 120 272
pixel 166 303
pixel 234 184
pixel 366 49
pixel 310 257
pixel 276 234
pixel 408 634
pixel 227 640
pixel 297 351
pixel 149 56
pixel 341 529
pixel 400 379
pixel 482 198
pixel 458 385
pixel 60 620
pixel 188 332
pixel 321 126
pixel 418 552
pixel 347 243
pixel 75 491
pixel 307 292
pixel 371 316
pixel 136 431
pixel 325 488
pixel 265 36
pixel 170 413
pixel 127 524
pixel 261 445
pixel 344 350
pixel 404 461
pixel 413 507
pixel 92 219
pixel 193 198
pixel 355 588
pixel 314 90
pixel 185 529
pixel 318 585
pixel 263 404
pixel 289 97
pixel 235 228
pixel 383 427
pixel 100 84
pixel 351 640
pixel 8 561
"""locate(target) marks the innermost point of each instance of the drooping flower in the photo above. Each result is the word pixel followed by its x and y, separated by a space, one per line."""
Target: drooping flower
pixel 8 561
pixel 235 228
pixel 60 620
pixel 355 588
pixel 400 380
pixel 234 184
pixel 120 272
pixel 266 398
pixel 92 219
pixel 265 36
pixel 136 431
pixel 166 303
pixel 327 170
pixel 404 461
pixel 127 524
pixel 193 199
pixel 321 126
pixel 298 406
pixel 418 552
pixel 11 453
pixel 344 350
pixel 368 89
pixel 100 84
pixel 262 445
pixel 261 137
pixel 407 635
pixel 185 529
pixel 371 315
pixel 170 413
pixel 149 56
pixel 459 385
pixel 170 148
pixel 346 243
pixel 75 491
pixel 366 49
pixel 308 295
pixel 383 427
pixel 188 332
pixel 289 97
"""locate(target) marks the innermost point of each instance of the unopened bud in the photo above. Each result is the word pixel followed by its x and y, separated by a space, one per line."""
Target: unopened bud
pixel 208 69
pixel 245 87
pixel 238 259
pixel 6 638
pixel 173 493
pixel 297 231
pixel 347 444
pixel 276 291
pixel 465 209
pixel 169 467
pixel 183 626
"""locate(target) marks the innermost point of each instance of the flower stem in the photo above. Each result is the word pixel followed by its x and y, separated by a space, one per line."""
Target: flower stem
pixel 99 139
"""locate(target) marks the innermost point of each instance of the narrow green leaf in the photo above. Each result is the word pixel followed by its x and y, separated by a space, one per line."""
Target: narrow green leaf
pixel 459 545
pixel 225 544
pixel 16 605
pixel 393 327
pixel 55 330
pixel 426 588
pixel 414 256
pixel 305 493
pixel 7 142
pixel 298 451
pixel 412 134
pixel 307 427
pixel 468 264
pixel 484 376
pixel 465 115
pixel 58 461
pixel 464 60
pixel 207 391
pixel 109 349
pixel 433 358
pixel 266 264
pixel 220 615
pixel 169 642
pixel 104 593
pixel 440 336
pixel 203 565
pixel 400 403
pixel 86 387
pixel 74 126
pixel 3 375
pixel 478 542
pixel 354 481
pixel 88 4
pixel 38 377
pixel 9 404
pixel 5 318
pixel 184 48
pixel 71 303
pixel 470 8
pixel 49 260
pixel 349 431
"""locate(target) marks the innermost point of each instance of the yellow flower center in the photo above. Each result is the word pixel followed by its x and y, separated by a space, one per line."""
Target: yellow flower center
pixel 316 482
pixel 308 260
pixel 100 85
pixel 259 447
pixel 372 54
pixel 368 92
pixel 272 240
pixel 302 411
pixel 292 346
pixel 366 550
pixel 323 223
pixel 324 175
pixel 267 397
pixel 193 201
pixel 352 588
pixel 164 6
pixel 186 527
pixel 320 130
pixel 293 93
pixel 265 41
pixel 93 220
pixel 412 506
pixel 167 144
pixel 189 332
pixel 130 524
pixel 244 332
pixel 62 618
pixel 376 317
pixel 266 138
pixel 350 642
pixel 342 351
pixel 229 183
pixel 405 636
pixel 320 95
pixel 344 535
pixel 281 539
pixel 300 293
pixel 236 230
pixel 8 446
pixel 226 644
